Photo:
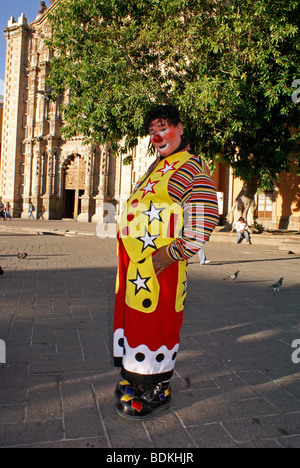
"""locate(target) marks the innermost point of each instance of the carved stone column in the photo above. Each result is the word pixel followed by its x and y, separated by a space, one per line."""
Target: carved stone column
pixel 37 174
pixel 36 171
pixel 102 186
pixel 49 209
pixel 87 200
pixel 49 177
pixel 105 209
pixel 36 178
pixel 27 178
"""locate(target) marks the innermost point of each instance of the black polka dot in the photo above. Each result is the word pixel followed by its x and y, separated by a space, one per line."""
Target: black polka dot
pixel 160 357
pixel 121 342
pixel 147 303
pixel 174 356
pixel 140 357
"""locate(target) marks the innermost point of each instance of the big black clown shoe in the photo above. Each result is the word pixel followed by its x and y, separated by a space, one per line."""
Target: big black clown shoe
pixel 144 403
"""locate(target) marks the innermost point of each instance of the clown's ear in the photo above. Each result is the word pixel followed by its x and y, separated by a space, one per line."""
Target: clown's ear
pixel 179 127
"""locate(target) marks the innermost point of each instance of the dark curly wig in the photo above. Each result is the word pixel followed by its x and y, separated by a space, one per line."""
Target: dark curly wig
pixel 162 112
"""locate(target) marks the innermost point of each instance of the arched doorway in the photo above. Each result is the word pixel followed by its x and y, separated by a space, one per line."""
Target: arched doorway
pixel 74 186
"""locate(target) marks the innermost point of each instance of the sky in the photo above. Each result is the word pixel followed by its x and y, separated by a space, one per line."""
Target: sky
pixel 14 8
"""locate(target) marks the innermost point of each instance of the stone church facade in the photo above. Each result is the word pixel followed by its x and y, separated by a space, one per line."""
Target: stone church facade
pixel 63 179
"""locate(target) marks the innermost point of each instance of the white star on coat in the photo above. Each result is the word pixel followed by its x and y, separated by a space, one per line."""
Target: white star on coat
pixel 140 283
pixel 148 240
pixel 153 213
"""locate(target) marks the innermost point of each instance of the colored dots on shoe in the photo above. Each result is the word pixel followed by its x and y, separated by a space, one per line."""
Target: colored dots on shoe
pixel 137 405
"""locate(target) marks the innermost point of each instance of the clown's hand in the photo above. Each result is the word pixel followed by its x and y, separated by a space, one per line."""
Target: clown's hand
pixel 161 260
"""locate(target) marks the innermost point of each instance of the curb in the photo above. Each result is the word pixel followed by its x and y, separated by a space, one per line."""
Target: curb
pixel 41 232
pixel 282 241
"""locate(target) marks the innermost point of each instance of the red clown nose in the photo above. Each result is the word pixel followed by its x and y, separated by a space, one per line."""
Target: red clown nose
pixel 157 139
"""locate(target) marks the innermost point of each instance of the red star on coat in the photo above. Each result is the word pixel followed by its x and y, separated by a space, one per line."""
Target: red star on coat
pixel 148 188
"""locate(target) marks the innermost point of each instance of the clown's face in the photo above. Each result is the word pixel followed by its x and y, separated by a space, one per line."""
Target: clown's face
pixel 165 137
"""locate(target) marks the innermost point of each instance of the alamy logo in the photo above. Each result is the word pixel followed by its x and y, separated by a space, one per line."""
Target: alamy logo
pixel 2 352
pixel 295 97
pixel 296 353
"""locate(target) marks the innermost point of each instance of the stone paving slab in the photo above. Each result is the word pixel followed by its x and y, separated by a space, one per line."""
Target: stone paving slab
pixel 235 384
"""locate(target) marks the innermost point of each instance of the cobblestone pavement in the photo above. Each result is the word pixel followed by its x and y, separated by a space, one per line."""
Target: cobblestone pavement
pixel 235 383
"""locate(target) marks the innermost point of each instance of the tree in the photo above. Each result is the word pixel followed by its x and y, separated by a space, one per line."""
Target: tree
pixel 228 67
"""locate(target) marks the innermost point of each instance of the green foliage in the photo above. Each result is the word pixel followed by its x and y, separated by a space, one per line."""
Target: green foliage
pixel 258 227
pixel 127 160
pixel 227 65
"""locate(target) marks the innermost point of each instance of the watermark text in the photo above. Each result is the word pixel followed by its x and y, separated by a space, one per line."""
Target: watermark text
pixel 2 352
pixel 296 353
pixel 141 221
pixel 296 93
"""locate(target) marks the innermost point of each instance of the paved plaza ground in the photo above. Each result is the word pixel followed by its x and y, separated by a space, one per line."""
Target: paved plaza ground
pixel 235 383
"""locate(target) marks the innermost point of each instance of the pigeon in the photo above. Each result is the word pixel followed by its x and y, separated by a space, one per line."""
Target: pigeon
pixel 233 277
pixel 291 253
pixel 187 382
pixel 22 255
pixel 1 271
pixel 46 94
pixel 277 286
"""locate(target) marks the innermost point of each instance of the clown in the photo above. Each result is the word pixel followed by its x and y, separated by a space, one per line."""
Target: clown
pixel 169 216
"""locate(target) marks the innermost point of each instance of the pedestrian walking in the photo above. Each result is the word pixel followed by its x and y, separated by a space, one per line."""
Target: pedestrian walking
pixel 41 214
pixel 30 211
pixel 7 211
pixel 202 257
pixel 2 210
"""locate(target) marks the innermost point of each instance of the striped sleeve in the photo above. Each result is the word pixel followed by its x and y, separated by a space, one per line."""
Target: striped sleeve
pixel 193 187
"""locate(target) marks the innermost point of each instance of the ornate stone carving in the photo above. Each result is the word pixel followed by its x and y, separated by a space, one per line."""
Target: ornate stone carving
pixel 43 8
